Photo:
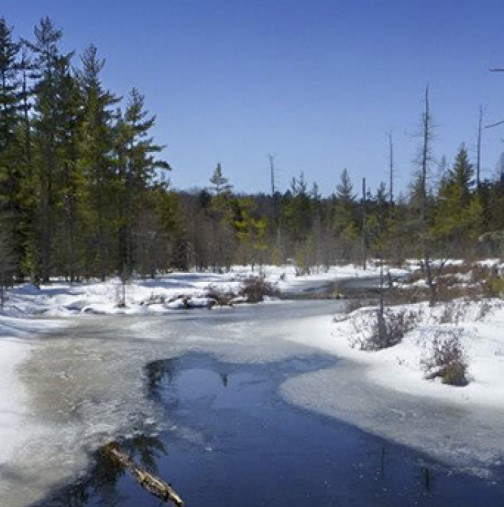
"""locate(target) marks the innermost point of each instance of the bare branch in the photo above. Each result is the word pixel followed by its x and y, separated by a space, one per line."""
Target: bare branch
pixel 494 124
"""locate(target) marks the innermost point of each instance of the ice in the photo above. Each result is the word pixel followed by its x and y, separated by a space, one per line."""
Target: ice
pixel 385 393
pixel 468 439
pixel 83 383
pixel 86 385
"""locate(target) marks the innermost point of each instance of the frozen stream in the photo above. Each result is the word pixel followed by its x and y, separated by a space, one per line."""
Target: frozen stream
pixel 204 381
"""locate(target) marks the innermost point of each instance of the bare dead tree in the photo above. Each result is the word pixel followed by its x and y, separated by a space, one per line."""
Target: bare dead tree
pixel 478 148
pixel 271 159
pixel 425 160
pixel 391 167
pixel 364 253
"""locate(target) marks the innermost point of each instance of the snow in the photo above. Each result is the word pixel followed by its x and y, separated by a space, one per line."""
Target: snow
pixel 479 325
pixel 16 345
pixel 31 312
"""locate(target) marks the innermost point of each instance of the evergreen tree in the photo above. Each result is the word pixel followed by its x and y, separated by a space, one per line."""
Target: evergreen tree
pixel 221 216
pixel 297 212
pixel 219 184
pixel 344 218
pixel 47 115
pixel 97 166
pixel 69 191
pixel 250 230
pixel 10 176
pixel 459 213
pixel 136 172
pixel 28 197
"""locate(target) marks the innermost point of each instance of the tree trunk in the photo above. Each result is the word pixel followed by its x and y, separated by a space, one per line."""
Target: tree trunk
pixel 148 481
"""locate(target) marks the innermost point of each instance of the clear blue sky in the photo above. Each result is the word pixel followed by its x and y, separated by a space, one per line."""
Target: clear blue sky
pixel 318 83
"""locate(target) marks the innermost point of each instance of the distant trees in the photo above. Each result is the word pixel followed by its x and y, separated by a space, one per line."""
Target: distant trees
pixel 344 220
pixel 459 211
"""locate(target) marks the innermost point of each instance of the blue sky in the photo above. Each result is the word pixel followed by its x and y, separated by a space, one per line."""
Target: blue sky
pixel 317 83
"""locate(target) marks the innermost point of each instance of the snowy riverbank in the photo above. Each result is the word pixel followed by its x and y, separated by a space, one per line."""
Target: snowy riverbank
pixel 31 312
pixel 163 294
pixel 479 328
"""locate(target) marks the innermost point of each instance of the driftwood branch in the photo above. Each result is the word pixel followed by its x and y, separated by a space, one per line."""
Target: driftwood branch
pixel 148 481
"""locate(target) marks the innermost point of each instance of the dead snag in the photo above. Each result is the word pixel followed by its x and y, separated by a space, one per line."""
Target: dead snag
pixel 148 481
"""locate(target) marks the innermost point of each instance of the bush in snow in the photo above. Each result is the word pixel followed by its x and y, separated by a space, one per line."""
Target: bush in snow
pixel 389 329
pixel 222 297
pixel 256 287
pixel 447 359
pixel 493 286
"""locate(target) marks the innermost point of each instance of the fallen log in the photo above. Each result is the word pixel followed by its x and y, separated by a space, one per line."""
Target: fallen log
pixel 148 481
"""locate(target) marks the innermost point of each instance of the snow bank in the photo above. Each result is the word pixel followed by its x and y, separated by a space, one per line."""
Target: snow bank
pixel 173 291
pixel 479 325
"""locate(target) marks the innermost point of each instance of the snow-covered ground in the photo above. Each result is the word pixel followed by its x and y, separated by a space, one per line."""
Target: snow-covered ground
pixel 31 312
pixel 479 326
pixel 61 299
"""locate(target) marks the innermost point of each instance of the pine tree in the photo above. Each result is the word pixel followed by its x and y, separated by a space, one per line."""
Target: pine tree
pixel 47 114
pixel 250 230
pixel 297 212
pixel 459 213
pixel 344 218
pixel 97 165
pixel 10 176
pixel 136 172
pixel 69 191
pixel 28 196
pixel 221 216
pixel 219 184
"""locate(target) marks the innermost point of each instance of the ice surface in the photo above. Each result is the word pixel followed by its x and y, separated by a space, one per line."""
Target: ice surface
pixel 86 385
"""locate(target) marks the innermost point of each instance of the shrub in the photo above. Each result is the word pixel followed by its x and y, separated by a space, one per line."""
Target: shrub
pixel 493 286
pixel 389 329
pixel 223 298
pixel 256 287
pixel 447 359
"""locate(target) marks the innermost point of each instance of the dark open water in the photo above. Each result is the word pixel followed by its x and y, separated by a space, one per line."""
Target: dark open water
pixel 235 442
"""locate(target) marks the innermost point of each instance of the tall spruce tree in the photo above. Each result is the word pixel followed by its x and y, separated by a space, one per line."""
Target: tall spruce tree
pixel 47 114
pixel 136 172
pixel 10 176
pixel 97 165
pixel 69 191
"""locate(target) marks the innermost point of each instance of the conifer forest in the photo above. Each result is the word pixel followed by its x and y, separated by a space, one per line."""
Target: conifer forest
pixel 85 193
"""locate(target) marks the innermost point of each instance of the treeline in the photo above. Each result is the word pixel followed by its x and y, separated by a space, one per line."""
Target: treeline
pixel 83 194
pixel 448 220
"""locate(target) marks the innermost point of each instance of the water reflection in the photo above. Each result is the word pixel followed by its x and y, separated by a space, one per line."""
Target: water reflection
pixel 102 484
pixel 235 442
